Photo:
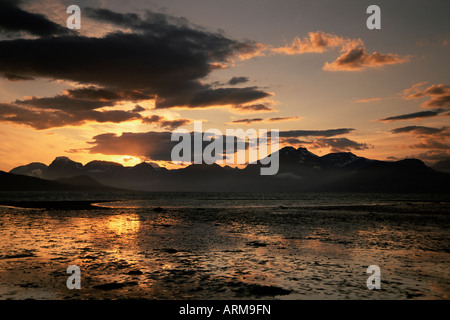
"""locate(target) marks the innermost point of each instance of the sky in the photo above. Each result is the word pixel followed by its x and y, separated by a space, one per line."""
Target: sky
pixel 137 70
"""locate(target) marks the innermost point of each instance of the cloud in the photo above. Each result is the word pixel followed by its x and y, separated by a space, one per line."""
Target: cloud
pixel 250 121
pixel 292 141
pixel 44 119
pixel 15 77
pixel 162 122
pixel 138 108
pixel 156 146
pixel 439 101
pixel 276 119
pixel 429 137
pixel 253 108
pixel 316 42
pixel 101 94
pixel 323 139
pixel 314 133
pixel 237 80
pixel 85 98
pixel 247 121
pixel 163 57
pixel 339 144
pixel 414 115
pixel 335 144
pixel 64 103
pixel 432 143
pixel 73 108
pixel 13 19
pixel 354 56
pixel 433 155
pixel 357 58
pixel 420 130
pixel 207 97
pixel 439 95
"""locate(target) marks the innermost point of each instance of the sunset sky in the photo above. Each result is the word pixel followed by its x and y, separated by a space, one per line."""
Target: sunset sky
pixel 137 70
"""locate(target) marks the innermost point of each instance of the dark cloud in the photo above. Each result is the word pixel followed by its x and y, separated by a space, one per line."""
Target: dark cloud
pixel 152 20
pixel 151 145
pixel 15 77
pixel 94 93
pixel 339 144
pixel 276 119
pixel 295 141
pixel 253 108
pixel 64 103
pixel 415 115
pixel 314 133
pixel 154 145
pixel 87 98
pixel 138 108
pixel 73 107
pixel 250 121
pixel 237 80
pixel 45 119
pixel 163 58
pixel 162 122
pixel 419 130
pixel 322 139
pixel 14 19
pixel 210 97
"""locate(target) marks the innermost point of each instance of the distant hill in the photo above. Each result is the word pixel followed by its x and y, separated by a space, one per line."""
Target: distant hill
pixel 16 182
pixel 300 171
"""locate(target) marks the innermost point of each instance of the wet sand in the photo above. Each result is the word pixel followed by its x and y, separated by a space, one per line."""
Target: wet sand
pixel 278 252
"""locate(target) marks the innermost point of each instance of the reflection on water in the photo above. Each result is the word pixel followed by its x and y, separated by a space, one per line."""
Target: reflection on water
pixel 124 224
pixel 234 252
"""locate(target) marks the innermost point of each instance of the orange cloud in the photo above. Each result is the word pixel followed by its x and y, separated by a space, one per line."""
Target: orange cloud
pixel 316 42
pixel 357 58
pixel 353 56
pixel 439 95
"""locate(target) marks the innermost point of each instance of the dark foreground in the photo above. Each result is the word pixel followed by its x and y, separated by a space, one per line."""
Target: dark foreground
pixel 203 247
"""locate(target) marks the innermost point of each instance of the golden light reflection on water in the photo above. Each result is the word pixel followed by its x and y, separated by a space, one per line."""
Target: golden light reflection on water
pixel 124 224
pixel 170 253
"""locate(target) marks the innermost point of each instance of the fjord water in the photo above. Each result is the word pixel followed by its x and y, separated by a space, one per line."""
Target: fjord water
pixel 226 246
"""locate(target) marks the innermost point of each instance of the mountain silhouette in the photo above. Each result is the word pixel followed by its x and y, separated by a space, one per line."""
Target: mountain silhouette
pixel 299 170
pixel 18 182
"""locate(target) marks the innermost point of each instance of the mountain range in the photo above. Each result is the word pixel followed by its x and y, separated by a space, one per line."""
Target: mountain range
pixel 300 170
